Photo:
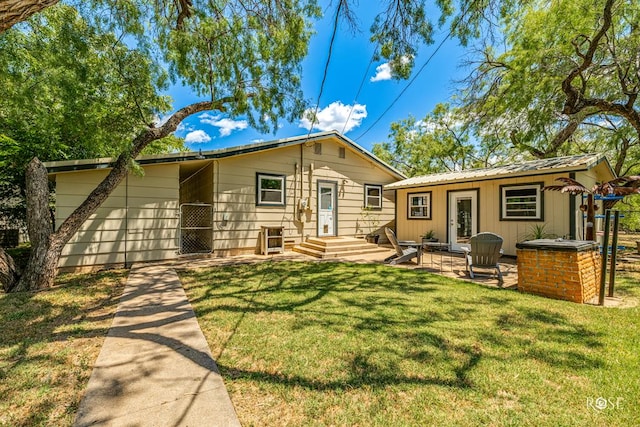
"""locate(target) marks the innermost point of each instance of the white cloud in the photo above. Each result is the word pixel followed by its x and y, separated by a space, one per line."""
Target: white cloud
pixel 197 136
pixel 256 141
pixel 224 125
pixel 383 72
pixel 334 116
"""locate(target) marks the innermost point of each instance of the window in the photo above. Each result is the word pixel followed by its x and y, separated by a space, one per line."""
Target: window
pixel 317 148
pixel 373 196
pixel 419 205
pixel 270 189
pixel 521 202
pixel 341 152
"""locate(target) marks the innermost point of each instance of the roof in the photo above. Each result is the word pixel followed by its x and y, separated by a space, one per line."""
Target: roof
pixel 104 163
pixel 534 167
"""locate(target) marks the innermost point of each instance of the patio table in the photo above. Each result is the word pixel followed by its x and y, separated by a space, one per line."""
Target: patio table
pixel 431 247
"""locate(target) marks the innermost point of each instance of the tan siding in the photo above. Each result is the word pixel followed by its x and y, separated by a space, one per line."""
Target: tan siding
pixel 152 218
pixel 153 203
pixel 556 211
pixel 235 186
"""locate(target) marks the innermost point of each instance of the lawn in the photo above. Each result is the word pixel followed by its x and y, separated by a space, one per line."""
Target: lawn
pixel 49 343
pixel 349 344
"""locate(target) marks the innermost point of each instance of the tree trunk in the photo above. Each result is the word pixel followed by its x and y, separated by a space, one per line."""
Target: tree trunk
pixel 41 268
pixel 9 274
pixel 591 218
pixel 47 245
pixel 43 265
pixel 14 11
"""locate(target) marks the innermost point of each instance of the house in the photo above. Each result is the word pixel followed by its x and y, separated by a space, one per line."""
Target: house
pixel 218 201
pixel 507 200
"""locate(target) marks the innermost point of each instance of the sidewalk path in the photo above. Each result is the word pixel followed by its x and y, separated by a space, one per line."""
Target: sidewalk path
pixel 155 367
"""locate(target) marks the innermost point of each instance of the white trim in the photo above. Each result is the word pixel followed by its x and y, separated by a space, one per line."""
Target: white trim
pixel 427 206
pixel 282 179
pixel 368 187
pixel 514 204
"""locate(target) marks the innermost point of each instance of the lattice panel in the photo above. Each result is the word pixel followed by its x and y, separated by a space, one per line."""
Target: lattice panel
pixel 196 228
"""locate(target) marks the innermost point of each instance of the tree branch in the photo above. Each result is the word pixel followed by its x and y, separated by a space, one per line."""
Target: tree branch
pixel 14 11
pixel 121 166
pixel 574 96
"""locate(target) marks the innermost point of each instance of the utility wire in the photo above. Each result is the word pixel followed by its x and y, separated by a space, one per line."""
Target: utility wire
pixel 326 66
pixel 413 79
pixel 364 77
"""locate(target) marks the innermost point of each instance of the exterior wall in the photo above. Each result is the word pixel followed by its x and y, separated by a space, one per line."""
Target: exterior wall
pixel 150 230
pixel 238 219
pixel 146 231
pixel 556 211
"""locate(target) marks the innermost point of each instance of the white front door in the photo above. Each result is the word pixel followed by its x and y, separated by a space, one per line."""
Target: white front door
pixel 327 209
pixel 463 218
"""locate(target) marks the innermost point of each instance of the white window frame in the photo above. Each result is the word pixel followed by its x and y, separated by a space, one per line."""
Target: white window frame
pixel 411 196
pixel 368 187
pixel 259 177
pixel 505 201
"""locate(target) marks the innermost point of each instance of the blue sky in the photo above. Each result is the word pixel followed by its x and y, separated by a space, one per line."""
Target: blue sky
pixel 350 58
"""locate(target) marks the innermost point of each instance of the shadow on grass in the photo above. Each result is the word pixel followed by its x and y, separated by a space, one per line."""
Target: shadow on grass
pixel 446 326
pixel 362 373
pixel 39 367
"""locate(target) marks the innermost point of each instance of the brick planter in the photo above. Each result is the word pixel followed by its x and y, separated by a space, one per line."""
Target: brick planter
pixel 565 269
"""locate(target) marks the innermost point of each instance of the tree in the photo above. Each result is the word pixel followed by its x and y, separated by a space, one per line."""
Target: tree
pixel 15 11
pixel 440 142
pixel 563 66
pixel 245 60
pixel 244 56
pixel 70 92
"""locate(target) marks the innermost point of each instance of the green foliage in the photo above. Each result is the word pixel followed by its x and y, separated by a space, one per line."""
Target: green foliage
pixel 630 209
pixel 70 92
pixel 538 231
pixel 438 143
pixel 516 92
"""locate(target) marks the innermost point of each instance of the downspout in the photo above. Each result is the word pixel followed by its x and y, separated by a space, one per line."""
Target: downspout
pixel 216 192
pixel 301 171
pixel 572 216
pixel 296 207
pixel 126 219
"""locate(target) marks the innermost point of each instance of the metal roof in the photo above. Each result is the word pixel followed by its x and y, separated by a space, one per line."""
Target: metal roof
pixel 104 163
pixel 533 167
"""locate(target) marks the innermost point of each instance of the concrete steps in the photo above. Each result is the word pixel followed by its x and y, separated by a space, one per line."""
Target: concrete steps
pixel 336 247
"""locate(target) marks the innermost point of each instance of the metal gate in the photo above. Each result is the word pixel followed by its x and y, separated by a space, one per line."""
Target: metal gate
pixel 196 228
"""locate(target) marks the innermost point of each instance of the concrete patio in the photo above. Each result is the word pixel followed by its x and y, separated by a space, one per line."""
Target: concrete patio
pixel 438 262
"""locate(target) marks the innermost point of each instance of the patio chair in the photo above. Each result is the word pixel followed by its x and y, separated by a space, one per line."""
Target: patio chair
pixel 403 254
pixel 486 249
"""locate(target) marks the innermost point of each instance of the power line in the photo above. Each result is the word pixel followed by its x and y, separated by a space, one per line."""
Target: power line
pixel 413 79
pixel 364 77
pixel 326 66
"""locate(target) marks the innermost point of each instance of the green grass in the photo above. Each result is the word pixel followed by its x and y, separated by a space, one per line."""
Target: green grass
pixel 347 344
pixel 49 342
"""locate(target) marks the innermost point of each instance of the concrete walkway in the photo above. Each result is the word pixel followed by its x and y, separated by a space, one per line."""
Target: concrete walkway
pixel 155 367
